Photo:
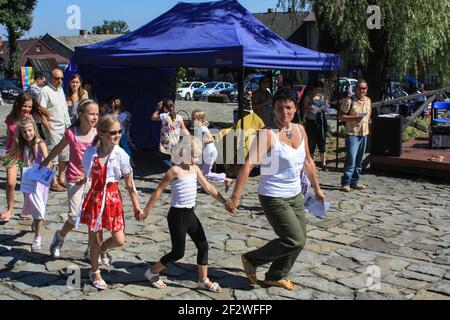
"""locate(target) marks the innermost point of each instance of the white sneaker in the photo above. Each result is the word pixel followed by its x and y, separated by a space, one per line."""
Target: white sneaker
pixel 55 247
pixel 36 246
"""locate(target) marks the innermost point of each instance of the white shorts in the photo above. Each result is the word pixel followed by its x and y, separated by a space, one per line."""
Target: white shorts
pixel 52 138
pixel 74 195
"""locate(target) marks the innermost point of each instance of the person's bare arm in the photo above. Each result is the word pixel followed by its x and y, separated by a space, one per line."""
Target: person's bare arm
pixel 168 177
pixel 55 151
pixel 133 194
pixel 209 188
pixel 260 146
pixel 155 115
pixel 310 168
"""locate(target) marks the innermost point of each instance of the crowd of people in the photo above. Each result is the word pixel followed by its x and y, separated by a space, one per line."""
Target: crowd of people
pixel 91 147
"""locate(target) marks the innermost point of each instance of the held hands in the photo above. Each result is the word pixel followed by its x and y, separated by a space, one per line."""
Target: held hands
pixel 232 205
pixel 138 214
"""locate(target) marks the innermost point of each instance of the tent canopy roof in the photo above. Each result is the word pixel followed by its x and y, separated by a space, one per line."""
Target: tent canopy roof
pixel 210 34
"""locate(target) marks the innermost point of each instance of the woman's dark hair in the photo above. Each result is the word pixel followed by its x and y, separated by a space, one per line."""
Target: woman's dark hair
pixel 36 110
pixel 285 94
pixel 80 89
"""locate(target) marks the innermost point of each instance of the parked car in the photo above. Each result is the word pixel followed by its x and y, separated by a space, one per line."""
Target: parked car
pixel 9 89
pixel 232 92
pixel 186 89
pixel 347 84
pixel 209 88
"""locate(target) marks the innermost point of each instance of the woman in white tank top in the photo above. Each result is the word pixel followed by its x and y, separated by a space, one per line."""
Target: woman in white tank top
pixel 282 151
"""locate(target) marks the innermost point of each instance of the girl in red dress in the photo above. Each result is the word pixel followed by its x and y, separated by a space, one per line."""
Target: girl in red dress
pixel 104 164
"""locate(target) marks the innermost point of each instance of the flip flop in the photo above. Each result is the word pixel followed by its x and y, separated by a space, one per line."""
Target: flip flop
pixel 5 216
pixel 283 283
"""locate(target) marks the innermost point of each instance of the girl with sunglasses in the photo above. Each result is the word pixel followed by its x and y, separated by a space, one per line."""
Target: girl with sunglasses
pixel 104 164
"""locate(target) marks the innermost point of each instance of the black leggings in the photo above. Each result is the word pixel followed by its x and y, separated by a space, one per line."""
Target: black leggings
pixel 183 221
pixel 315 137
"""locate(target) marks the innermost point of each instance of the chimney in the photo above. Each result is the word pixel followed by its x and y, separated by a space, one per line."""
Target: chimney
pixel 83 33
pixel 270 10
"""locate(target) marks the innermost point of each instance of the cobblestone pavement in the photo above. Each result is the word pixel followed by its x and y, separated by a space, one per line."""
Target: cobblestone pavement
pixel 391 241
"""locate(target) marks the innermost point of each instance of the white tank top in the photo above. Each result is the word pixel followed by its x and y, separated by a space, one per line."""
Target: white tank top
pixel 280 170
pixel 184 191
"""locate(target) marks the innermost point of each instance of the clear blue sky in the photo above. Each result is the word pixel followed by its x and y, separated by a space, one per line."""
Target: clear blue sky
pixel 50 16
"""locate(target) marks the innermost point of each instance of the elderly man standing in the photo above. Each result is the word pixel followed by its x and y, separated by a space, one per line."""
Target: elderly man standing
pixel 53 99
pixel 356 114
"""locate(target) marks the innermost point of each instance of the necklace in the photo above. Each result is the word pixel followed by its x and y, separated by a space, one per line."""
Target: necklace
pixel 288 130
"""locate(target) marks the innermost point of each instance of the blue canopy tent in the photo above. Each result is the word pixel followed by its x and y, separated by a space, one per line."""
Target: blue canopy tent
pixel 211 34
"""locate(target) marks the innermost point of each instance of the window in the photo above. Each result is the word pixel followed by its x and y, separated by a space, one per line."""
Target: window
pixel 38 49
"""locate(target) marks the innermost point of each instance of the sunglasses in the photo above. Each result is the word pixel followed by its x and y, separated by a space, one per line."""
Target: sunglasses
pixel 58 78
pixel 362 88
pixel 113 133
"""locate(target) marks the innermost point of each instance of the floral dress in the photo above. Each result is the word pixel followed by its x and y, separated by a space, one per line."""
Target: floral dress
pixel 112 217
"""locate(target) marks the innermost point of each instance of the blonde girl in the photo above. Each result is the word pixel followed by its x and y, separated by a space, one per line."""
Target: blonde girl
pixel 209 154
pixel 78 137
pixel 104 164
pixel 183 178
pixel 24 105
pixel 30 149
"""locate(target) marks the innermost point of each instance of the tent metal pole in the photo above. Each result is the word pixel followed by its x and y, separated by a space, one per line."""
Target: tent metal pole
pixel 241 102
pixel 337 117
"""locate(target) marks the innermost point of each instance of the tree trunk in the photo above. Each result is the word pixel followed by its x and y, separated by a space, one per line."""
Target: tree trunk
pixel 376 70
pixel 13 53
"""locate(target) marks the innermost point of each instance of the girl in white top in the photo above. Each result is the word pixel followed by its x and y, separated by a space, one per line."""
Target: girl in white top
pixel 104 164
pixel 181 219
pixel 209 154
pixel 282 152
pixel 30 148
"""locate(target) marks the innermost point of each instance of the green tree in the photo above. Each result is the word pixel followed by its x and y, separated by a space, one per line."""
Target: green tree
pixel 412 33
pixel 112 27
pixel 17 18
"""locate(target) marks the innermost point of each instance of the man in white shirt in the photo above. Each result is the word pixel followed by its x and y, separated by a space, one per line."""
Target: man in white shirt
pixel 38 84
pixel 53 99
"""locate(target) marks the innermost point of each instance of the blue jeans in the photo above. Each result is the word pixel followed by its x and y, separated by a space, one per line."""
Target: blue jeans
pixel 356 148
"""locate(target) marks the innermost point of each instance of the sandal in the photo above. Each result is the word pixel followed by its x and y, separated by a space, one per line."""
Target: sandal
pixel 154 279
pixel 106 261
pixel 99 284
pixel 57 187
pixel 283 283
pixel 6 216
pixel 214 287
pixel 249 269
